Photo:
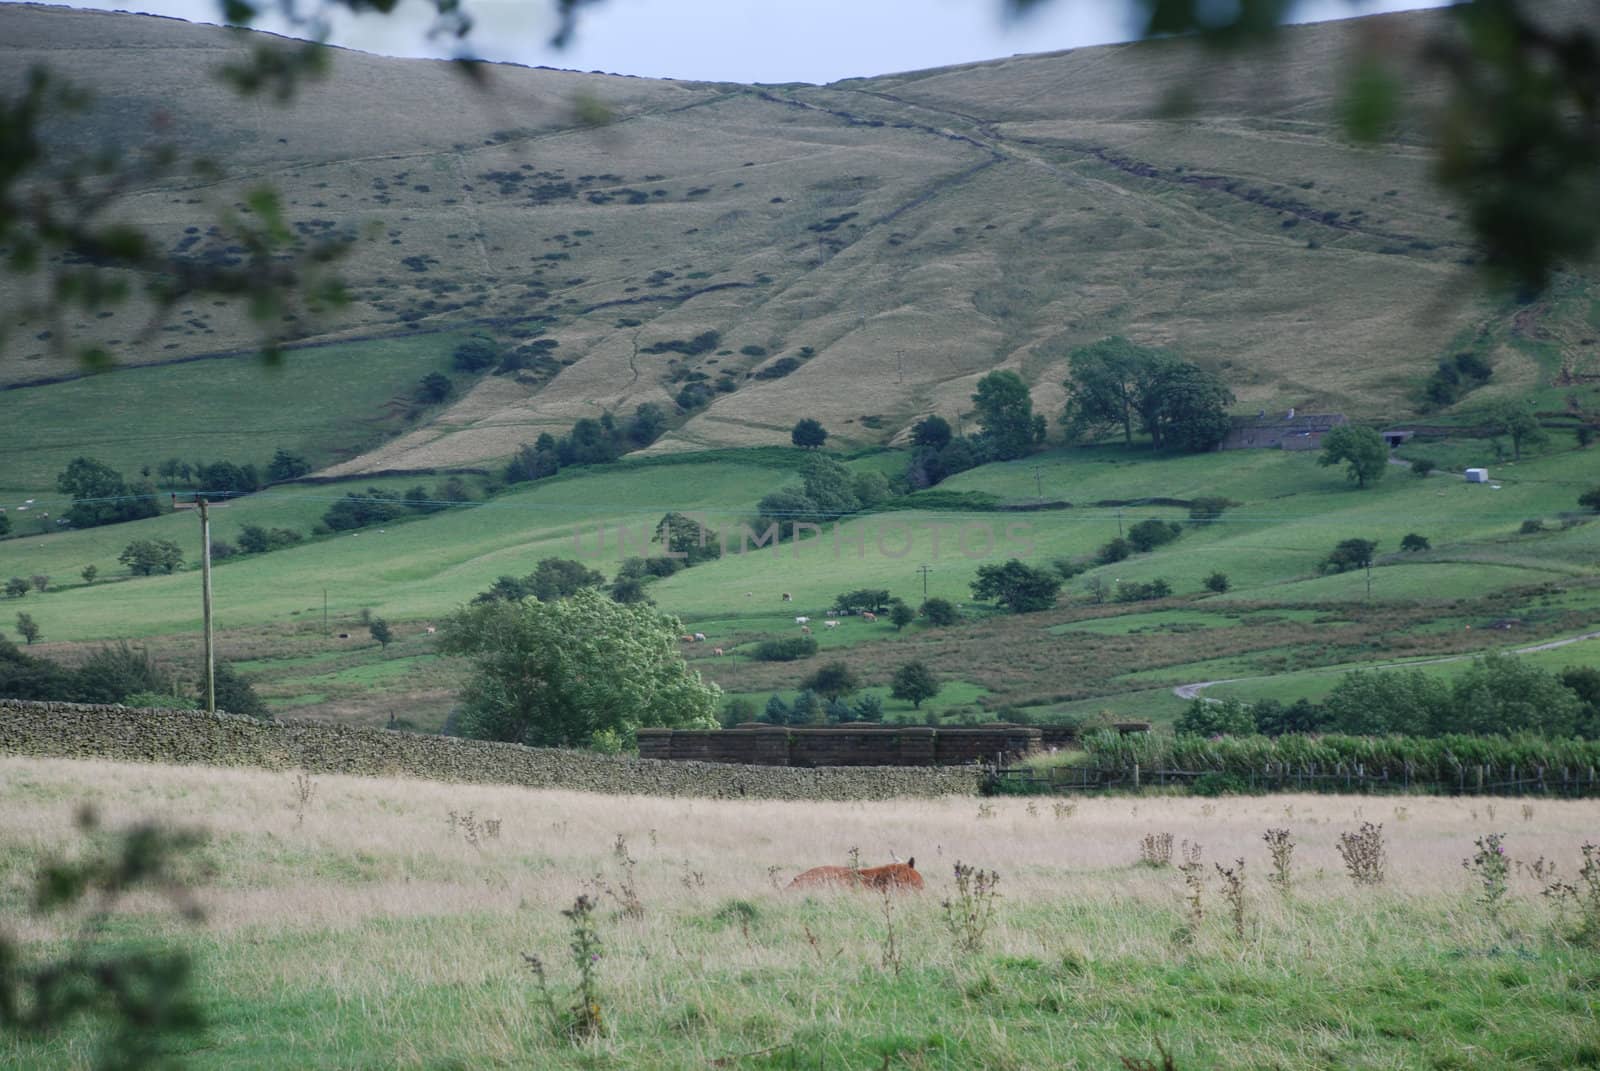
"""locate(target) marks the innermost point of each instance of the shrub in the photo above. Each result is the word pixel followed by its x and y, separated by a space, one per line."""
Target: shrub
pixel 1219 784
pixel 1018 587
pixel 1114 551
pixel 1135 591
pixel 1422 466
pixel 1227 718
pixel 1414 542
pixel 475 354
pixel 869 708
pixel 1590 499
pixel 1147 535
pixel 833 680
pixel 914 681
pixel 1350 554
pixel 940 612
pixel 1207 508
pixel 787 649
pixel 1217 582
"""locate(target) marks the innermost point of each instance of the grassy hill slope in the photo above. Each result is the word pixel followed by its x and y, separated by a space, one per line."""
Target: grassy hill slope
pixel 895 237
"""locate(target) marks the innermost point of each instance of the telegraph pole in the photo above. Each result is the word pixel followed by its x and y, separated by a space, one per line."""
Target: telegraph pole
pixel 324 611
pixel 205 604
pixel 1038 482
pixel 924 569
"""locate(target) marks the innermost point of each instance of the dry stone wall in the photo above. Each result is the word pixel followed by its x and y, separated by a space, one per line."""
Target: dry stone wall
pixel 127 734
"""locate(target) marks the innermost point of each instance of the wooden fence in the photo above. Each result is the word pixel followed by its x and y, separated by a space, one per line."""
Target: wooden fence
pixel 1281 777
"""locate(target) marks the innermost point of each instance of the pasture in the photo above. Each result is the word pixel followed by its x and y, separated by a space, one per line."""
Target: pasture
pixel 367 924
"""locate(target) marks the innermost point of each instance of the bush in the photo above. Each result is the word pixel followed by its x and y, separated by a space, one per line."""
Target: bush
pixel 1114 551
pixel 787 649
pixel 1213 785
pixel 1531 526
pixel 1019 587
pixel 1590 499
pixel 1134 591
pixel 833 680
pixel 1217 582
pixel 1227 718
pixel 1149 534
pixel 1350 554
pixel 475 354
pixel 1207 508
pixel 1414 542
pixel 352 511
pixel 940 612
pixel 1422 466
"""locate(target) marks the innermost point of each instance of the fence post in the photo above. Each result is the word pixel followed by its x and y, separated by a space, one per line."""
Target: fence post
pixel 1136 776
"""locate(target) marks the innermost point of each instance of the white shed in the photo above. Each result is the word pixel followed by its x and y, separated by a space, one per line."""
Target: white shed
pixel 1477 475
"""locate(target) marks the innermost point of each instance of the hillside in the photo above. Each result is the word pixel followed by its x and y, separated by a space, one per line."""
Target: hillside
pixel 896 237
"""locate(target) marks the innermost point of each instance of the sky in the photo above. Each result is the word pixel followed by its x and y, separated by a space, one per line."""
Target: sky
pixel 748 40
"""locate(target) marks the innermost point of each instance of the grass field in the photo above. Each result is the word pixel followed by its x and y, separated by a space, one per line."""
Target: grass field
pixel 374 934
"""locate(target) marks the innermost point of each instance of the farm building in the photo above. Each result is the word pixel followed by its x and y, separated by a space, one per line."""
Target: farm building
pixel 1288 431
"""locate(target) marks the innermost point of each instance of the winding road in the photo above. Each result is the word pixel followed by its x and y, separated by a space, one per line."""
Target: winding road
pixel 1192 691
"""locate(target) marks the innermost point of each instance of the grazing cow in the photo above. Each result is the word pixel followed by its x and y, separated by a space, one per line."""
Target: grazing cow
pixel 895 877
pixel 686 638
pixel 787 597
pixel 830 624
pixel 699 637
pixel 806 629
pixel 430 630
pixel 749 594
pixel 717 651
pixel 802 621
pixel 869 616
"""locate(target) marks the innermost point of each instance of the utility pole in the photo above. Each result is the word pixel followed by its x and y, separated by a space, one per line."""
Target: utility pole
pixel 324 611
pixel 1038 482
pixel 1119 524
pixel 1369 578
pixel 205 604
pixel 924 569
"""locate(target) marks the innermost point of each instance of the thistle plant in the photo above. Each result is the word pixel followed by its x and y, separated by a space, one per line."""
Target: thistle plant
pixel 969 912
pixel 1583 896
pixel 1193 871
pixel 583 1018
pixel 1493 870
pixel 1363 854
pixel 1155 850
pixel 1233 892
pixel 1280 845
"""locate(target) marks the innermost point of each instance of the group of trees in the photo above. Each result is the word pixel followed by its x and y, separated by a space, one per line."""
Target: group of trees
pixel 100 495
pixel 379 506
pixel 144 557
pixel 227 477
pixel 1117 385
pixel 824 697
pixel 1496 694
pixel 827 492
pixel 119 673
pixel 592 441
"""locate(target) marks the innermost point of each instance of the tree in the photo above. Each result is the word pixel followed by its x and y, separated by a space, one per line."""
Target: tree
pixel 1516 421
pixel 1149 534
pixel 869 600
pixel 1227 718
pixel 1422 467
pixel 1207 508
pixel 1371 702
pixel 112 673
pixel 574 671
pixel 286 466
pixel 808 434
pixel 807 709
pixel 833 680
pixel 1412 542
pixel 1363 448
pixel 380 630
pixel 40 582
pixel 1005 410
pixel 146 556
pixel 434 388
pixel 1104 387
pixel 561 578
pixel 900 614
pixel 649 421
pixel 777 711
pixel 931 432
pixel 871 488
pixel 914 681
pixel 830 485
pixel 1097 588
pixel 785 507
pixel 1184 407
pixel 940 612
pixel 352 511
pixel 1114 551
pixel 688 538
pixel 1351 554
pixel 869 708
pixel 16 588
pixel 1505 694
pixel 28 627
pixel 234 694
pixel 101 496
pixel 89 573
pixel 475 354
pixel 5 523
pixel 1584 682
pixel 1217 582
pixel 1019 587
pixel 1590 499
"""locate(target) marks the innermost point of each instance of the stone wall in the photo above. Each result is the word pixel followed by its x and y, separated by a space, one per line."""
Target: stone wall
pixel 894 745
pixel 125 734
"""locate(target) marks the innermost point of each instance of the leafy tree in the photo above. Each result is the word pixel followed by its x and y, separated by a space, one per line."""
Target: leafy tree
pixel 1149 534
pixel 234 693
pixel 1387 701
pixel 833 680
pixel 561 578
pixel 786 649
pixel 1114 551
pixel 777 711
pixel 224 477
pixel 1501 693
pixel 1301 716
pixel 101 496
pixel 785 507
pixel 5 523
pixel 1005 409
pixel 1017 586
pixel 40 582
pixel 1136 591
pixel 1227 718
pixel 352 511
pixel 1413 542
pixel 940 612
pixel 1584 682
pixel 28 628
pixel 534 462
pixel 900 614
pixel 16 588
pixel 567 672
pixel 649 421
pixel 871 488
pixel 1516 421
pixel 1184 407
pixel 869 708
pixel 808 434
pixel 683 535
pixel 629 589
pixel 807 709
pixel 146 556
pixel 931 432
pixel 475 354
pixel 254 539
pixel 112 673
pixel 1217 582
pixel 1363 448
pixel 872 600
pixel 830 485
pixel 1351 554
pixel 838 712
pixel 434 388
pixel 1105 385
pixel 286 466
pixel 1207 508
pixel 914 681
pixel 1422 467
pixel 1590 499
pixel 89 573
pixel 380 630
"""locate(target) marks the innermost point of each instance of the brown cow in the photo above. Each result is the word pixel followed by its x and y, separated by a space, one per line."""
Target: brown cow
pixel 892 878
